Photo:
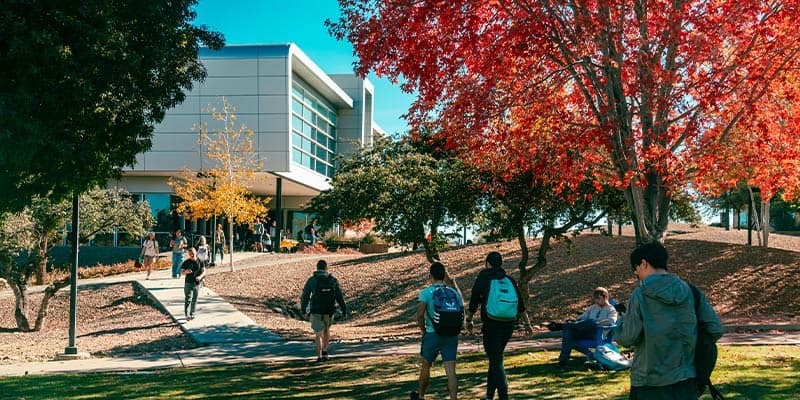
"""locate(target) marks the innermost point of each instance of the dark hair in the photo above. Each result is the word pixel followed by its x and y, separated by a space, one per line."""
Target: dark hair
pixel 437 270
pixel 322 265
pixel 653 252
pixel 495 259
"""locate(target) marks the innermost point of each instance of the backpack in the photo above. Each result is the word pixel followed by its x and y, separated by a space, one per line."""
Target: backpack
pixel 448 311
pixel 705 352
pixel 609 357
pixel 324 299
pixel 502 302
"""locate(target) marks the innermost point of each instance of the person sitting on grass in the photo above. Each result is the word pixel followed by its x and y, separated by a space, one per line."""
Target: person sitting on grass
pixel 585 327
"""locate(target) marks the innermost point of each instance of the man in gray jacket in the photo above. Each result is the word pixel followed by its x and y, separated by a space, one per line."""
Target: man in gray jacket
pixel 661 325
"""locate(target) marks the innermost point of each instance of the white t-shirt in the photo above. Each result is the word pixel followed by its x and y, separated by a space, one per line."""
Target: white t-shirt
pixel 150 248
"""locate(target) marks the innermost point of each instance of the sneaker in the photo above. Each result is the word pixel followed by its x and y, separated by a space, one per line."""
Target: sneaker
pixel 324 356
pixel 319 360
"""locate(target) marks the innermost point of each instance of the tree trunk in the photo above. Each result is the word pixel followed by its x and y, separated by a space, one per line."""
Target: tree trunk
pixel 232 242
pixel 649 210
pixel 49 292
pixel 765 222
pixel 41 270
pixel 21 306
pixel 610 224
pixel 756 218
pixel 526 274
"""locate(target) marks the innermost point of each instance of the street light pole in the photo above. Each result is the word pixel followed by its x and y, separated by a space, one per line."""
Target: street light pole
pixel 73 287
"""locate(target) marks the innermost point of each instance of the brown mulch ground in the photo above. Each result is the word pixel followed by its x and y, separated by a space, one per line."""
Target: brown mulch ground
pixel 746 285
pixel 111 320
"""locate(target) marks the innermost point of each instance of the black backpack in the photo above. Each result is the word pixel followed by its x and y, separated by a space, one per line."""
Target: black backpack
pixel 323 300
pixel 448 311
pixel 705 352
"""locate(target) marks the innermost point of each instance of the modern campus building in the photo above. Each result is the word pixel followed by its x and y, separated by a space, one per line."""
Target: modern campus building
pixel 301 116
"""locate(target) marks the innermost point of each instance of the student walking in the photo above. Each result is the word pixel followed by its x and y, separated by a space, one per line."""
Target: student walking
pixel 178 245
pixel 440 325
pixel 501 305
pixel 661 324
pixel 320 295
pixel 149 252
pixel 219 245
pixel 203 252
pixel 194 272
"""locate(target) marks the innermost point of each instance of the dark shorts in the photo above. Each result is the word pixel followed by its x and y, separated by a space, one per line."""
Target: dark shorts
pixel 433 344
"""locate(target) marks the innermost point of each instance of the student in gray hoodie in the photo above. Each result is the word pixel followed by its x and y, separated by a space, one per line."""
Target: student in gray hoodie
pixel 661 324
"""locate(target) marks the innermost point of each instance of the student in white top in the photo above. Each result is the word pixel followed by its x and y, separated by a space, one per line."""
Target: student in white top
pixel 149 252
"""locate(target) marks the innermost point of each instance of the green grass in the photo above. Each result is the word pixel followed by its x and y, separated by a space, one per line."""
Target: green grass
pixel 759 372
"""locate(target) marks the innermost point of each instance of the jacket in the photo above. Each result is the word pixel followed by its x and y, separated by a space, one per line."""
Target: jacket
pixel 480 294
pixel 661 325
pixel 311 285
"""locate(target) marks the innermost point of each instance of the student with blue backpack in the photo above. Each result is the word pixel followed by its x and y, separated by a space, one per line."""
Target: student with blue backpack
pixel 440 317
pixel 501 306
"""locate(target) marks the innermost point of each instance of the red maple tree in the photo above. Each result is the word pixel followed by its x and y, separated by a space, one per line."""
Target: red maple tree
pixel 641 84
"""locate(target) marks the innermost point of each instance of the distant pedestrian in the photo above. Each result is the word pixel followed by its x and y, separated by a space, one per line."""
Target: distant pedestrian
pixel 258 229
pixel 490 286
pixel 274 237
pixel 318 302
pixel 195 273
pixel 203 252
pixel 441 342
pixel 219 244
pixel 178 245
pixel 661 324
pixel 149 252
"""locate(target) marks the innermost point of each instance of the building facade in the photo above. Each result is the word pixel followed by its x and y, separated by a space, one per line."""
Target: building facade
pixel 302 118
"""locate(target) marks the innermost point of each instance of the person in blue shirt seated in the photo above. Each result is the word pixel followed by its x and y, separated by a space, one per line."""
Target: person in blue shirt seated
pixel 600 313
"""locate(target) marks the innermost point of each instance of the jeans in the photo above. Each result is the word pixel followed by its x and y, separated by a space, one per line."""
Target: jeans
pixel 571 335
pixel 177 260
pixel 495 339
pixel 190 292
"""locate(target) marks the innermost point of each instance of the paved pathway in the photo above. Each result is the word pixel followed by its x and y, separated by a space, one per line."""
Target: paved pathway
pixel 230 337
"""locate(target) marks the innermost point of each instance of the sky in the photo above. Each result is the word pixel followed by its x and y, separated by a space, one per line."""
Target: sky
pixel 302 22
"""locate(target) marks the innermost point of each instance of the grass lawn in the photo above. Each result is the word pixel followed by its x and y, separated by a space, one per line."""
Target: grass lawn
pixel 758 372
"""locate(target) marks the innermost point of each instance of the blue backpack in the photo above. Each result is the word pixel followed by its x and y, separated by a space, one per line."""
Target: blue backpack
pixel 609 357
pixel 502 302
pixel 448 311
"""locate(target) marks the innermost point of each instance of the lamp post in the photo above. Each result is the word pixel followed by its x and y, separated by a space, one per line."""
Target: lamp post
pixel 71 351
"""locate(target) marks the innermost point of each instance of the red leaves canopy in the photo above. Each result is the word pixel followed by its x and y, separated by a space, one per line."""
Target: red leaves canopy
pixel 570 86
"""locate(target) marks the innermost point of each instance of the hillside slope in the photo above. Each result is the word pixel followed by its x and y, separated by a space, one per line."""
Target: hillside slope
pixel 745 284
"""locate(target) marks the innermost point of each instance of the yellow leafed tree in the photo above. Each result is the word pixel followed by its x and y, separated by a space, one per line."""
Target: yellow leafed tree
pixel 229 167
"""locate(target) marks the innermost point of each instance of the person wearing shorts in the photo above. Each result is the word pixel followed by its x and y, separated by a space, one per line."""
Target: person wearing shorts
pixel 434 344
pixel 318 301
pixel 149 252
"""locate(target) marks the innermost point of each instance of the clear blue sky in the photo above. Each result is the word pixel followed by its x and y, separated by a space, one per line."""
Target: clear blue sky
pixel 301 22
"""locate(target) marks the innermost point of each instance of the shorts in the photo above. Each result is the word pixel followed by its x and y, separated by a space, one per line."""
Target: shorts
pixel 321 322
pixel 149 259
pixel 433 344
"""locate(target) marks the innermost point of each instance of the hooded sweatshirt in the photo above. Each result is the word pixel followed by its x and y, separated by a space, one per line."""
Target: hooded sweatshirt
pixel 661 325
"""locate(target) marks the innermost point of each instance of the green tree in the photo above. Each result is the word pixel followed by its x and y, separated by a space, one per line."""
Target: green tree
pixel 26 237
pixel 522 206
pixel 405 190
pixel 84 83
pixel 222 189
